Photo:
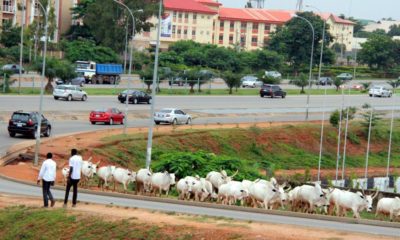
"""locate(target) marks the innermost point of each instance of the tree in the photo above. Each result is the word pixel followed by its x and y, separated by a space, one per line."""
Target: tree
pixel 366 85
pixel 394 83
pixel 147 76
pixel 261 60
pixel 86 50
pixel 301 81
pixel 394 30
pixel 378 52
pixel 10 35
pixel 231 79
pixel 192 76
pixel 293 40
pixel 337 82
pixel 55 68
pixel 335 116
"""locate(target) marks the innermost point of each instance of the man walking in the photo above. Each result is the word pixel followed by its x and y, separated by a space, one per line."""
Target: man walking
pixel 75 164
pixel 48 175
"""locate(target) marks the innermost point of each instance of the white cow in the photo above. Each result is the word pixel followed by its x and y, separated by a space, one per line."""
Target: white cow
pixel 162 181
pixel 219 178
pixel 65 173
pixel 88 170
pixel 123 176
pixel 263 192
pixel 388 206
pixel 105 175
pixel 143 180
pixel 356 202
pixel 209 188
pixel 311 196
pixel 182 186
pixel 189 186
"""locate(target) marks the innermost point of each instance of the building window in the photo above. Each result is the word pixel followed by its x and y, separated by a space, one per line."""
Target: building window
pixel 173 29
pixel 8 6
pixel 208 32
pixel 243 26
pixel 194 17
pixel 265 40
pixel 221 39
pixel 255 27
pixel 243 40
pixel 180 17
pixel 254 41
pixel 179 31
pixel 208 17
pixel 185 31
pixel 186 17
pixel 231 39
pixel 267 27
pixel 202 16
pixel 174 15
pixel 221 24
pixel 194 31
pixel 232 25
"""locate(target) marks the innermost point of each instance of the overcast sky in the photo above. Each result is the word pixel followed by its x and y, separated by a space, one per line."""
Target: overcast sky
pixel 365 9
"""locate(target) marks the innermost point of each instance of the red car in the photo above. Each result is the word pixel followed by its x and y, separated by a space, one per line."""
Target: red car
pixel 107 116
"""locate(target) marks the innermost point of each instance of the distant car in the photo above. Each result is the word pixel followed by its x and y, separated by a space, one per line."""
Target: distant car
pixel 172 116
pixel 325 81
pixel 134 96
pixel 107 115
pixel 178 81
pixel 26 123
pixel 272 91
pixel 69 93
pixel 379 91
pixel 14 68
pixel 250 81
pixel 344 76
pixel 273 74
pixel 79 81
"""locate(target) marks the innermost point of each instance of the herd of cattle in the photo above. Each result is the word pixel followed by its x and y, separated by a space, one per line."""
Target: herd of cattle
pixel 219 187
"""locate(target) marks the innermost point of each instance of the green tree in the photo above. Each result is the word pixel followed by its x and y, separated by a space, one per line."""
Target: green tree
pixel 55 68
pixel 147 76
pixel 10 35
pixel 231 79
pixel 301 81
pixel 337 82
pixel 335 116
pixel 378 52
pixel 394 83
pixel 293 40
pixel 192 77
pixel 86 50
pixel 394 30
pixel 258 60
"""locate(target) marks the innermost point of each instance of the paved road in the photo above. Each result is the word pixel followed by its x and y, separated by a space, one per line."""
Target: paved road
pixel 17 188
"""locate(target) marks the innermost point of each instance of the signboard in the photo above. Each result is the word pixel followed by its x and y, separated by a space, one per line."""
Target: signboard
pixel 166 25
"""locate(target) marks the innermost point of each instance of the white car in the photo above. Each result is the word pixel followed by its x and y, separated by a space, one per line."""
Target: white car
pixel 250 81
pixel 172 116
pixel 379 91
pixel 69 93
pixel 273 74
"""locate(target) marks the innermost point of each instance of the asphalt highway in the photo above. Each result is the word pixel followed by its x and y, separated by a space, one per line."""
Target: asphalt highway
pixel 22 189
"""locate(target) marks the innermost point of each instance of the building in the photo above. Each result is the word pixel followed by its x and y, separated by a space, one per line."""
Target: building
pixel 207 21
pixel 62 10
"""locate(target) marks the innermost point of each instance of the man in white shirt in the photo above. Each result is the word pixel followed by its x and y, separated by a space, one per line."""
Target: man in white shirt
pixel 75 165
pixel 48 175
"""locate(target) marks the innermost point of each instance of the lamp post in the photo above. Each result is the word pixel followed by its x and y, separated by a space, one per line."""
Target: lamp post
pixel 324 102
pixel 153 91
pixel 21 47
pixel 391 133
pixel 130 61
pixel 311 62
pixel 38 130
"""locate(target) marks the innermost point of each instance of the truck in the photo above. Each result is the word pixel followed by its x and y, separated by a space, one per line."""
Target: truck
pixel 97 73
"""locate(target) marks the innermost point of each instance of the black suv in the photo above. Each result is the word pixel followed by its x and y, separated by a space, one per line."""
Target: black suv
pixel 134 97
pixel 272 91
pixel 25 123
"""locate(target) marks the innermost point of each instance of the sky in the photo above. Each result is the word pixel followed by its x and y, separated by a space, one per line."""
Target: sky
pixel 362 9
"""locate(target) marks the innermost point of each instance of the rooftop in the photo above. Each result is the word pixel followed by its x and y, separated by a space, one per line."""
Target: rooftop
pixel 188 6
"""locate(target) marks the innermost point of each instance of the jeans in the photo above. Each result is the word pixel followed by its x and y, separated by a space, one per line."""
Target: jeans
pixel 46 192
pixel 74 184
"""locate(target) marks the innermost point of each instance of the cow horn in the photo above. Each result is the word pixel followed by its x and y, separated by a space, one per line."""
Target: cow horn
pixel 90 159
pixel 375 195
pixel 235 173
pixel 98 162
pixel 362 191
pixel 288 189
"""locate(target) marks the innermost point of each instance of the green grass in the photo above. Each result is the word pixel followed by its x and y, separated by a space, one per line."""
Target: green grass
pixel 183 92
pixel 22 222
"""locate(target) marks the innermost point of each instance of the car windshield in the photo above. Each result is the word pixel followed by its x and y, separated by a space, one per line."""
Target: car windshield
pixel 376 88
pixel 101 110
pixel 125 91
pixel 165 110
pixel 20 117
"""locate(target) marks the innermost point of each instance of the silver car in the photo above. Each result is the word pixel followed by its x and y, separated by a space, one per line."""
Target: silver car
pixel 172 116
pixel 379 91
pixel 69 93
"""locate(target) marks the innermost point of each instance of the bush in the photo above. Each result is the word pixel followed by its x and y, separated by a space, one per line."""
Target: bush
pixel 335 116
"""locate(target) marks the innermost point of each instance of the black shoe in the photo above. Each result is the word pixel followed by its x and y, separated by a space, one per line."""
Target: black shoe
pixel 53 202
pixel 73 205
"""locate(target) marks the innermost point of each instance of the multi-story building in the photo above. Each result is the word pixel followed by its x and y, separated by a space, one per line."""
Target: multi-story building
pixel 207 21
pixel 11 11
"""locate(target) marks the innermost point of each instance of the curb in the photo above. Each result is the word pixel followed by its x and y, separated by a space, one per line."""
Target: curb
pixel 224 207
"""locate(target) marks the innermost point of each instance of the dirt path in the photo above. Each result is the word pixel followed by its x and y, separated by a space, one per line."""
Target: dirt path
pixel 200 226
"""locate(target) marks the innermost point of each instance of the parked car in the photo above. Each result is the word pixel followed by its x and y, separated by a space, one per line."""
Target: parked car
pixel 172 116
pixel 69 93
pixel 26 123
pixel 325 81
pixel 79 81
pixel 250 81
pixel 344 76
pixel 178 81
pixel 273 74
pixel 14 68
pixel 272 91
pixel 134 97
pixel 107 115
pixel 379 91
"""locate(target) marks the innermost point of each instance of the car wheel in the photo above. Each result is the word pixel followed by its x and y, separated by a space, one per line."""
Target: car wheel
pixel 283 95
pixel 93 123
pixel 122 121
pixel 48 132
pixel 122 101
pixel 174 122
pixel 69 98
pixel 188 121
pixel 12 134
pixel 272 95
pixel 390 95
pixel 135 101
pixel 157 122
pixel 111 121
pixel 261 95
pixel 56 98
pixel 84 97
pixel 149 101
pixel 370 95
pixel 81 85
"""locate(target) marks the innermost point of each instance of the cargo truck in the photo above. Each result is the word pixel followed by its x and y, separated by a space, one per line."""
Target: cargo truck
pixel 97 73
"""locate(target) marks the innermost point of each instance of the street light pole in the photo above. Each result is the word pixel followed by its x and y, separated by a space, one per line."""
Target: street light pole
pixel 39 126
pixel 130 62
pixel 153 91
pixel 21 47
pixel 311 63
pixel 391 133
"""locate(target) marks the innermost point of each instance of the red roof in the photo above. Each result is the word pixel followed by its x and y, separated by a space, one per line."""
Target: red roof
pixel 210 2
pixel 188 6
pixel 255 15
